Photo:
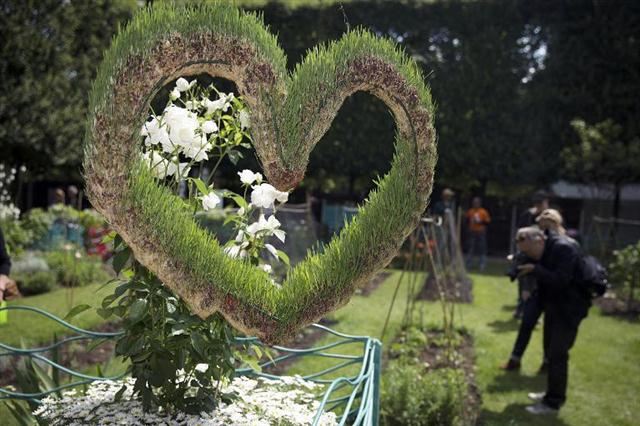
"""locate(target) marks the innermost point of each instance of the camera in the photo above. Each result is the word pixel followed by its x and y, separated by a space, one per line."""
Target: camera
pixel 517 260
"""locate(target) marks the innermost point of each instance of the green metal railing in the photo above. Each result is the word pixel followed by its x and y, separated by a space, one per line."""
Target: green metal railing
pixel 352 381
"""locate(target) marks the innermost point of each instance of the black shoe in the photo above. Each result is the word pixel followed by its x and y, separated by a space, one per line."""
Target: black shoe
pixel 511 365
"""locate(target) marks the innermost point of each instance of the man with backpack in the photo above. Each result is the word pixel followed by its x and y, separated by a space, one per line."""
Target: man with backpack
pixel 558 271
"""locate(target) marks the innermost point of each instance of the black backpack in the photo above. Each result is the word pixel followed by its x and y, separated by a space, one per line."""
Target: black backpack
pixel 592 276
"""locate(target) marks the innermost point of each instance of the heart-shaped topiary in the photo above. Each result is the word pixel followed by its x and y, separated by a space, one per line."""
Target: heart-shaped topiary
pixel 290 113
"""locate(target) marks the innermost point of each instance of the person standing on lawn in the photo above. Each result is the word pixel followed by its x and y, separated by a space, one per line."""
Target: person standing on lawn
pixel 565 305
pixel 8 287
pixel 477 220
pixel 549 220
pixel 540 202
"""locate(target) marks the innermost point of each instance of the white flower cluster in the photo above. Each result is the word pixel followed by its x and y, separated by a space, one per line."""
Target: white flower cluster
pixel 7 176
pixel 251 237
pixel 188 128
pixel 261 402
pixel 197 130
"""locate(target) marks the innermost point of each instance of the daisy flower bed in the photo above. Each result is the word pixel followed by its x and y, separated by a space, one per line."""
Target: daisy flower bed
pixel 258 402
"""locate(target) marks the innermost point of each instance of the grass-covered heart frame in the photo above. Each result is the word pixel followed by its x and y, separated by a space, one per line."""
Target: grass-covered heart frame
pixel 290 113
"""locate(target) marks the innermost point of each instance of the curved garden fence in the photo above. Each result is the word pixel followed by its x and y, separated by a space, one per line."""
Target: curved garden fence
pixel 349 367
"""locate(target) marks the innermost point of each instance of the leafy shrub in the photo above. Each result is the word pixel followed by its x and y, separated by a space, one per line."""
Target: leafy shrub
pixel 37 223
pixel 90 218
pixel 28 264
pixel 625 270
pixel 36 283
pixel 16 237
pixel 412 396
pixel 73 268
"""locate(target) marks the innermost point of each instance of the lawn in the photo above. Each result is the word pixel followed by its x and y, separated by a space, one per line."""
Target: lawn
pixel 604 379
pixel 32 328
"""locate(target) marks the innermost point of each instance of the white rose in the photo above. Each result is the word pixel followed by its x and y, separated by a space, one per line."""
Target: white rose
pixel 245 119
pixel 264 195
pixel 183 85
pixel 177 169
pixel 222 103
pixel 235 251
pixel 157 163
pixel 211 201
pixel 248 177
pixel 175 94
pixel 197 148
pixel 209 126
pixel 267 268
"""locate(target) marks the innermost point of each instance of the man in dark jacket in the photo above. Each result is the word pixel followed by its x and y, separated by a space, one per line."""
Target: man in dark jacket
pixel 565 305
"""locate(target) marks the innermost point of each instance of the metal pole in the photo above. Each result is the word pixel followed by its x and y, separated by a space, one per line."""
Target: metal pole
pixel 377 367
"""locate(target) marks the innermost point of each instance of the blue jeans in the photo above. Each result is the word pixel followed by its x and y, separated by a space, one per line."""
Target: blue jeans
pixel 477 245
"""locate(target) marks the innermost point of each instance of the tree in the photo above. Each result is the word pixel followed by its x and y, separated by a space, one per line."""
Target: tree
pixel 48 56
pixel 603 157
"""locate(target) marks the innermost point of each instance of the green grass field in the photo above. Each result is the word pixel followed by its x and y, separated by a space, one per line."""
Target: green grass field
pixel 604 378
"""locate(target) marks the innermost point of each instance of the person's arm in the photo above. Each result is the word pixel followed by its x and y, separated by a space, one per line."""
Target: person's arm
pixel 560 273
pixel 487 217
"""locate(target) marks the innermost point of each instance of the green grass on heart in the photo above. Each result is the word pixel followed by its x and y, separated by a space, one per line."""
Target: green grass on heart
pixel 325 275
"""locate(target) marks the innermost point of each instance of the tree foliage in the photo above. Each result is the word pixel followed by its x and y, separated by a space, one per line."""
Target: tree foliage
pixel 48 58
pixel 508 78
pixel 602 156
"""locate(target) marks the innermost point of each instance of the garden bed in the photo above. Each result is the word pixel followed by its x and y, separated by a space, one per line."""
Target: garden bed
pixel 431 351
pixel 611 304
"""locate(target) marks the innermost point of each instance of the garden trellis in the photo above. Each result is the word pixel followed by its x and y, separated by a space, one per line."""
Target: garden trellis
pixel 433 248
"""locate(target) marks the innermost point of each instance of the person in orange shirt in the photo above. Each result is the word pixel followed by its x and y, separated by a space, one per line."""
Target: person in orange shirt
pixel 477 219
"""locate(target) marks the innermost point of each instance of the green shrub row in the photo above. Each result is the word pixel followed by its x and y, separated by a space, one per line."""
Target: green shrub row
pixel 413 396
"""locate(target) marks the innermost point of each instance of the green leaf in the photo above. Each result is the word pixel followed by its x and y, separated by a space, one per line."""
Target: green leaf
pixel 241 202
pixel 104 313
pixel 96 343
pixel 234 156
pixel 20 414
pixel 108 300
pixel 120 259
pixel 118 395
pixel 237 138
pixel 137 310
pixel 117 241
pixel 109 237
pixel 76 310
pixel 202 187
pixel 199 343
pixel 283 256
pixel 44 378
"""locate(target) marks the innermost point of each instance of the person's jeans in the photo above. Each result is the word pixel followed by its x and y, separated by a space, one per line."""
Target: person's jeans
pixel 532 310
pixel 477 244
pixel 561 334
